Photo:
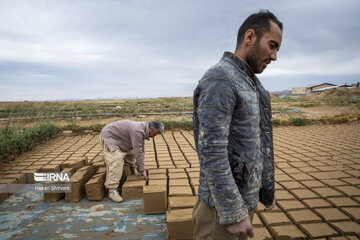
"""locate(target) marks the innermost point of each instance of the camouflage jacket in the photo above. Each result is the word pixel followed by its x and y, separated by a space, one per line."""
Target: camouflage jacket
pixel 233 136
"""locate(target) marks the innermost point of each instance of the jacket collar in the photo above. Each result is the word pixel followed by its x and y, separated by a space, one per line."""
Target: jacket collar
pixel 147 137
pixel 240 63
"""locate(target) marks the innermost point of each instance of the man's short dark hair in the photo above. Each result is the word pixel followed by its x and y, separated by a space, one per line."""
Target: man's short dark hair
pixel 259 22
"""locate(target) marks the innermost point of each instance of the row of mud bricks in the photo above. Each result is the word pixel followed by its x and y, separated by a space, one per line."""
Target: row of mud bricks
pixel 316 169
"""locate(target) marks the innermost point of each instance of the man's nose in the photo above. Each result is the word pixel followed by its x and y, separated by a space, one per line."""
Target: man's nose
pixel 273 56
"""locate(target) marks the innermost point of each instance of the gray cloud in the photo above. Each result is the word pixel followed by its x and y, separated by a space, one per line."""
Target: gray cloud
pixel 89 49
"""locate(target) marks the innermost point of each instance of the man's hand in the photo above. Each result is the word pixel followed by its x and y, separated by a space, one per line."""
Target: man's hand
pixel 143 173
pixel 242 228
pixel 268 208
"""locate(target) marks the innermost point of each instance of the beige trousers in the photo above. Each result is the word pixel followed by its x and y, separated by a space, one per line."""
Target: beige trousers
pixel 206 225
pixel 115 161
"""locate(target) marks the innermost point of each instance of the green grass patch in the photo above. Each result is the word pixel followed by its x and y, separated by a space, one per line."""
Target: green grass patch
pixel 15 140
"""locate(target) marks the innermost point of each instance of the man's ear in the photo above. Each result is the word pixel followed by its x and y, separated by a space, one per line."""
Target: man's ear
pixel 250 37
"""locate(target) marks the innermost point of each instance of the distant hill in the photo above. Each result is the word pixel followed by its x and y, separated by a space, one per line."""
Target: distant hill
pixel 283 92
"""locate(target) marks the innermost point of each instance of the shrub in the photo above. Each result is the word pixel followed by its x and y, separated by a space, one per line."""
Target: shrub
pixel 15 140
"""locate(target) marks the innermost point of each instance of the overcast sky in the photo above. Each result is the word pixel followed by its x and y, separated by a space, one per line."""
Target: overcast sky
pixel 88 49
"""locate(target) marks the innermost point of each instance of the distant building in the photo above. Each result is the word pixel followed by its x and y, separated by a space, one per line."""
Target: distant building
pixel 316 89
pixel 298 91
pixel 312 90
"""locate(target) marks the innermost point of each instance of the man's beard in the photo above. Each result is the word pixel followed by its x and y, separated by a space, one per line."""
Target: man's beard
pixel 253 57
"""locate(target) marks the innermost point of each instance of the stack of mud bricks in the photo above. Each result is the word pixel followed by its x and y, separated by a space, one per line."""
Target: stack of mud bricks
pixel 172 185
pixel 86 179
pixel 58 155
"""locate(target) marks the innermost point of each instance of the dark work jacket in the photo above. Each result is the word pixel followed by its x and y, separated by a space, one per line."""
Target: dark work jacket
pixel 233 137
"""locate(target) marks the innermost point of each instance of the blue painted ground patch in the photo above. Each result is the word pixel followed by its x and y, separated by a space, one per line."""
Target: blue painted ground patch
pixel 26 216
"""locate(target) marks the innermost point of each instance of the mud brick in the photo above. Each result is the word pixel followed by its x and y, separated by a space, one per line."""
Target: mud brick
pixel 78 180
pixel 261 233
pixel 177 175
pixel 155 199
pixel 303 193
pixel 331 214
pixel 29 176
pixel 290 204
pixel 287 232
pixel 182 202
pixel 352 181
pixel 195 165
pixel 57 162
pixel 20 177
pixel 69 170
pixel 282 177
pixel 177 170
pixel 50 168
pixel 156 171
pixel 354 212
pixel 313 183
pixel 4 188
pixel 195 188
pixel 291 185
pixel 135 178
pixel 76 163
pixel 301 176
pixel 16 171
pixel 178 182
pixel 157 182
pixel 349 190
pixel 339 238
pixel 94 188
pixel 99 164
pixel 133 189
pixel 353 173
pixel 194 181
pixel 53 196
pixel 19 168
pixel 315 203
pixel 316 230
pixel 179 224
pixel 180 191
pixel 34 168
pixel 182 165
pixel 283 194
pixel 327 192
pixel 347 227
pixel 256 222
pixel 333 182
pixel 193 169
pixel 67 133
pixel 284 165
pixel 343 202
pixel 275 218
pixel 290 170
pixel 261 207
pixel 194 174
pixel 24 163
pixel 157 176
pixel 168 166
pixel 329 175
pixel 304 216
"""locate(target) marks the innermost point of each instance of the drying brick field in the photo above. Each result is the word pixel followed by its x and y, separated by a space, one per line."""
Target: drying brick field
pixel 317 172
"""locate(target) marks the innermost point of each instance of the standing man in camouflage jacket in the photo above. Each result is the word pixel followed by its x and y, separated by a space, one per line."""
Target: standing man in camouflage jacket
pixel 233 134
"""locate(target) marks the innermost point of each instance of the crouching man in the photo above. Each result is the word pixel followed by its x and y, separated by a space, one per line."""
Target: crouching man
pixel 122 141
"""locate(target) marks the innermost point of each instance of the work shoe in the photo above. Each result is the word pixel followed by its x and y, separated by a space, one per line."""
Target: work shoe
pixel 115 196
